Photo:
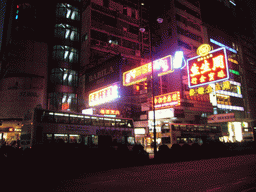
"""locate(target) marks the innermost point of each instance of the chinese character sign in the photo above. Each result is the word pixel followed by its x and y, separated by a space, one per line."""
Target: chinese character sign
pixel 167 100
pixel 109 112
pixel 208 69
pixel 161 66
pixel 103 96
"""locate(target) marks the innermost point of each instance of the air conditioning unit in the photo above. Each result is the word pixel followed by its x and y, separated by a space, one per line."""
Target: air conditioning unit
pixel 137 53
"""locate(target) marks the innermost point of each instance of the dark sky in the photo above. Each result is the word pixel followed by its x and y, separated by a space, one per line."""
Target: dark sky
pixel 251 5
pixel 2 12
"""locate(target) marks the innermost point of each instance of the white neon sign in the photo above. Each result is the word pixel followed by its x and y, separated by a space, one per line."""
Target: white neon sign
pixel 105 95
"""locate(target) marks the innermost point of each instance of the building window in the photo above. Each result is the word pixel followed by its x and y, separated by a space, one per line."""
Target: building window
pixel 63 101
pixel 130 44
pixel 188 22
pixel 66 10
pixel 64 77
pixel 183 44
pixel 65 53
pixel 65 31
pixel 189 34
pixel 186 9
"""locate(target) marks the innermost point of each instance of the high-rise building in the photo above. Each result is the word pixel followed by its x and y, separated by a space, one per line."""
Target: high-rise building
pixel 40 57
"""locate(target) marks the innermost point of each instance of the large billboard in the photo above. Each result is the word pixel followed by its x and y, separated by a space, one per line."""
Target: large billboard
pixel 161 66
pixel 207 69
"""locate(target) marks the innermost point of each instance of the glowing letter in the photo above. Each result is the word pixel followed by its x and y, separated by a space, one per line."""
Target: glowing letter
pixel 218 62
pixel 211 76
pixel 164 99
pixel 169 99
pixel 208 89
pixel 200 90
pixel 194 80
pixel 226 85
pixel 217 87
pixel 205 67
pixel 202 79
pixel 221 74
pixel 192 92
pixel 174 97
pixel 195 70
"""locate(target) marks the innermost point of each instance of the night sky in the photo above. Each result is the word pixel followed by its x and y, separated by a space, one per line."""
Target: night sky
pixel 252 7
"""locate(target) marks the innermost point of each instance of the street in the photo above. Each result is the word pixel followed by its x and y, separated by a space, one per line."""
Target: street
pixel 236 173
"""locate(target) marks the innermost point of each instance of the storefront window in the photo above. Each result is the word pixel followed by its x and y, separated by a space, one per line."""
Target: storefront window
pixel 49 137
pixel 74 138
pixel 95 139
pixel 61 138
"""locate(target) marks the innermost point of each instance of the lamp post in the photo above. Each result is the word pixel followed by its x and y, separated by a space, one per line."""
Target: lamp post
pixel 142 29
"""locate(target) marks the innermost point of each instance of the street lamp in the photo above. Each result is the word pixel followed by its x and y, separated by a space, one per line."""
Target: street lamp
pixel 142 29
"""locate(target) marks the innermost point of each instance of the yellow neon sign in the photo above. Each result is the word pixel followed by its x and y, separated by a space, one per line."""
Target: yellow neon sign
pixel 203 50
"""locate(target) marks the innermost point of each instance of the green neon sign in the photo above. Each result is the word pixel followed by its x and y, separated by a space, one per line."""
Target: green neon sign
pixel 234 72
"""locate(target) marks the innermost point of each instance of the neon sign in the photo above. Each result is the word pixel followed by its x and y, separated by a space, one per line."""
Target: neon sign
pixel 104 95
pixel 222 45
pixel 230 88
pixel 167 100
pixel 109 112
pixel 163 66
pixel 208 69
pixel 203 50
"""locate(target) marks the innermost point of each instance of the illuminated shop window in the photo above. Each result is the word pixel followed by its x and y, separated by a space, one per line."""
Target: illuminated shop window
pixel 64 77
pixel 68 11
pixel 63 101
pixel 65 53
pixel 61 138
pixel 65 31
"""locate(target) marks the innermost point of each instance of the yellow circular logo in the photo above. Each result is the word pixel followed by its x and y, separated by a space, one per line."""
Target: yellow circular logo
pixel 203 50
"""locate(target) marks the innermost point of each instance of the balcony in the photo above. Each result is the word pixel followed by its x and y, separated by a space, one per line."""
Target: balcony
pixel 113 30
pixel 107 47
pixel 114 13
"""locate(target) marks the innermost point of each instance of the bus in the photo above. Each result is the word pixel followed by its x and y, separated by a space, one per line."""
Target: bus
pixel 180 133
pixel 41 126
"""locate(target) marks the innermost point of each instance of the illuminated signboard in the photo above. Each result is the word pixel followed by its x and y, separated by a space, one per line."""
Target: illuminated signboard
pixel 109 112
pixel 223 99
pixel 167 100
pixel 203 50
pixel 162 66
pixel 208 69
pixel 230 88
pixel 104 95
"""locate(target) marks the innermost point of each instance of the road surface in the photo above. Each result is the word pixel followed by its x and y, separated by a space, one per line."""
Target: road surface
pixel 236 173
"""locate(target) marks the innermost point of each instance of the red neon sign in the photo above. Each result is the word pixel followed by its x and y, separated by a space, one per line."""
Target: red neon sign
pixel 163 66
pixel 208 69
pixel 167 100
